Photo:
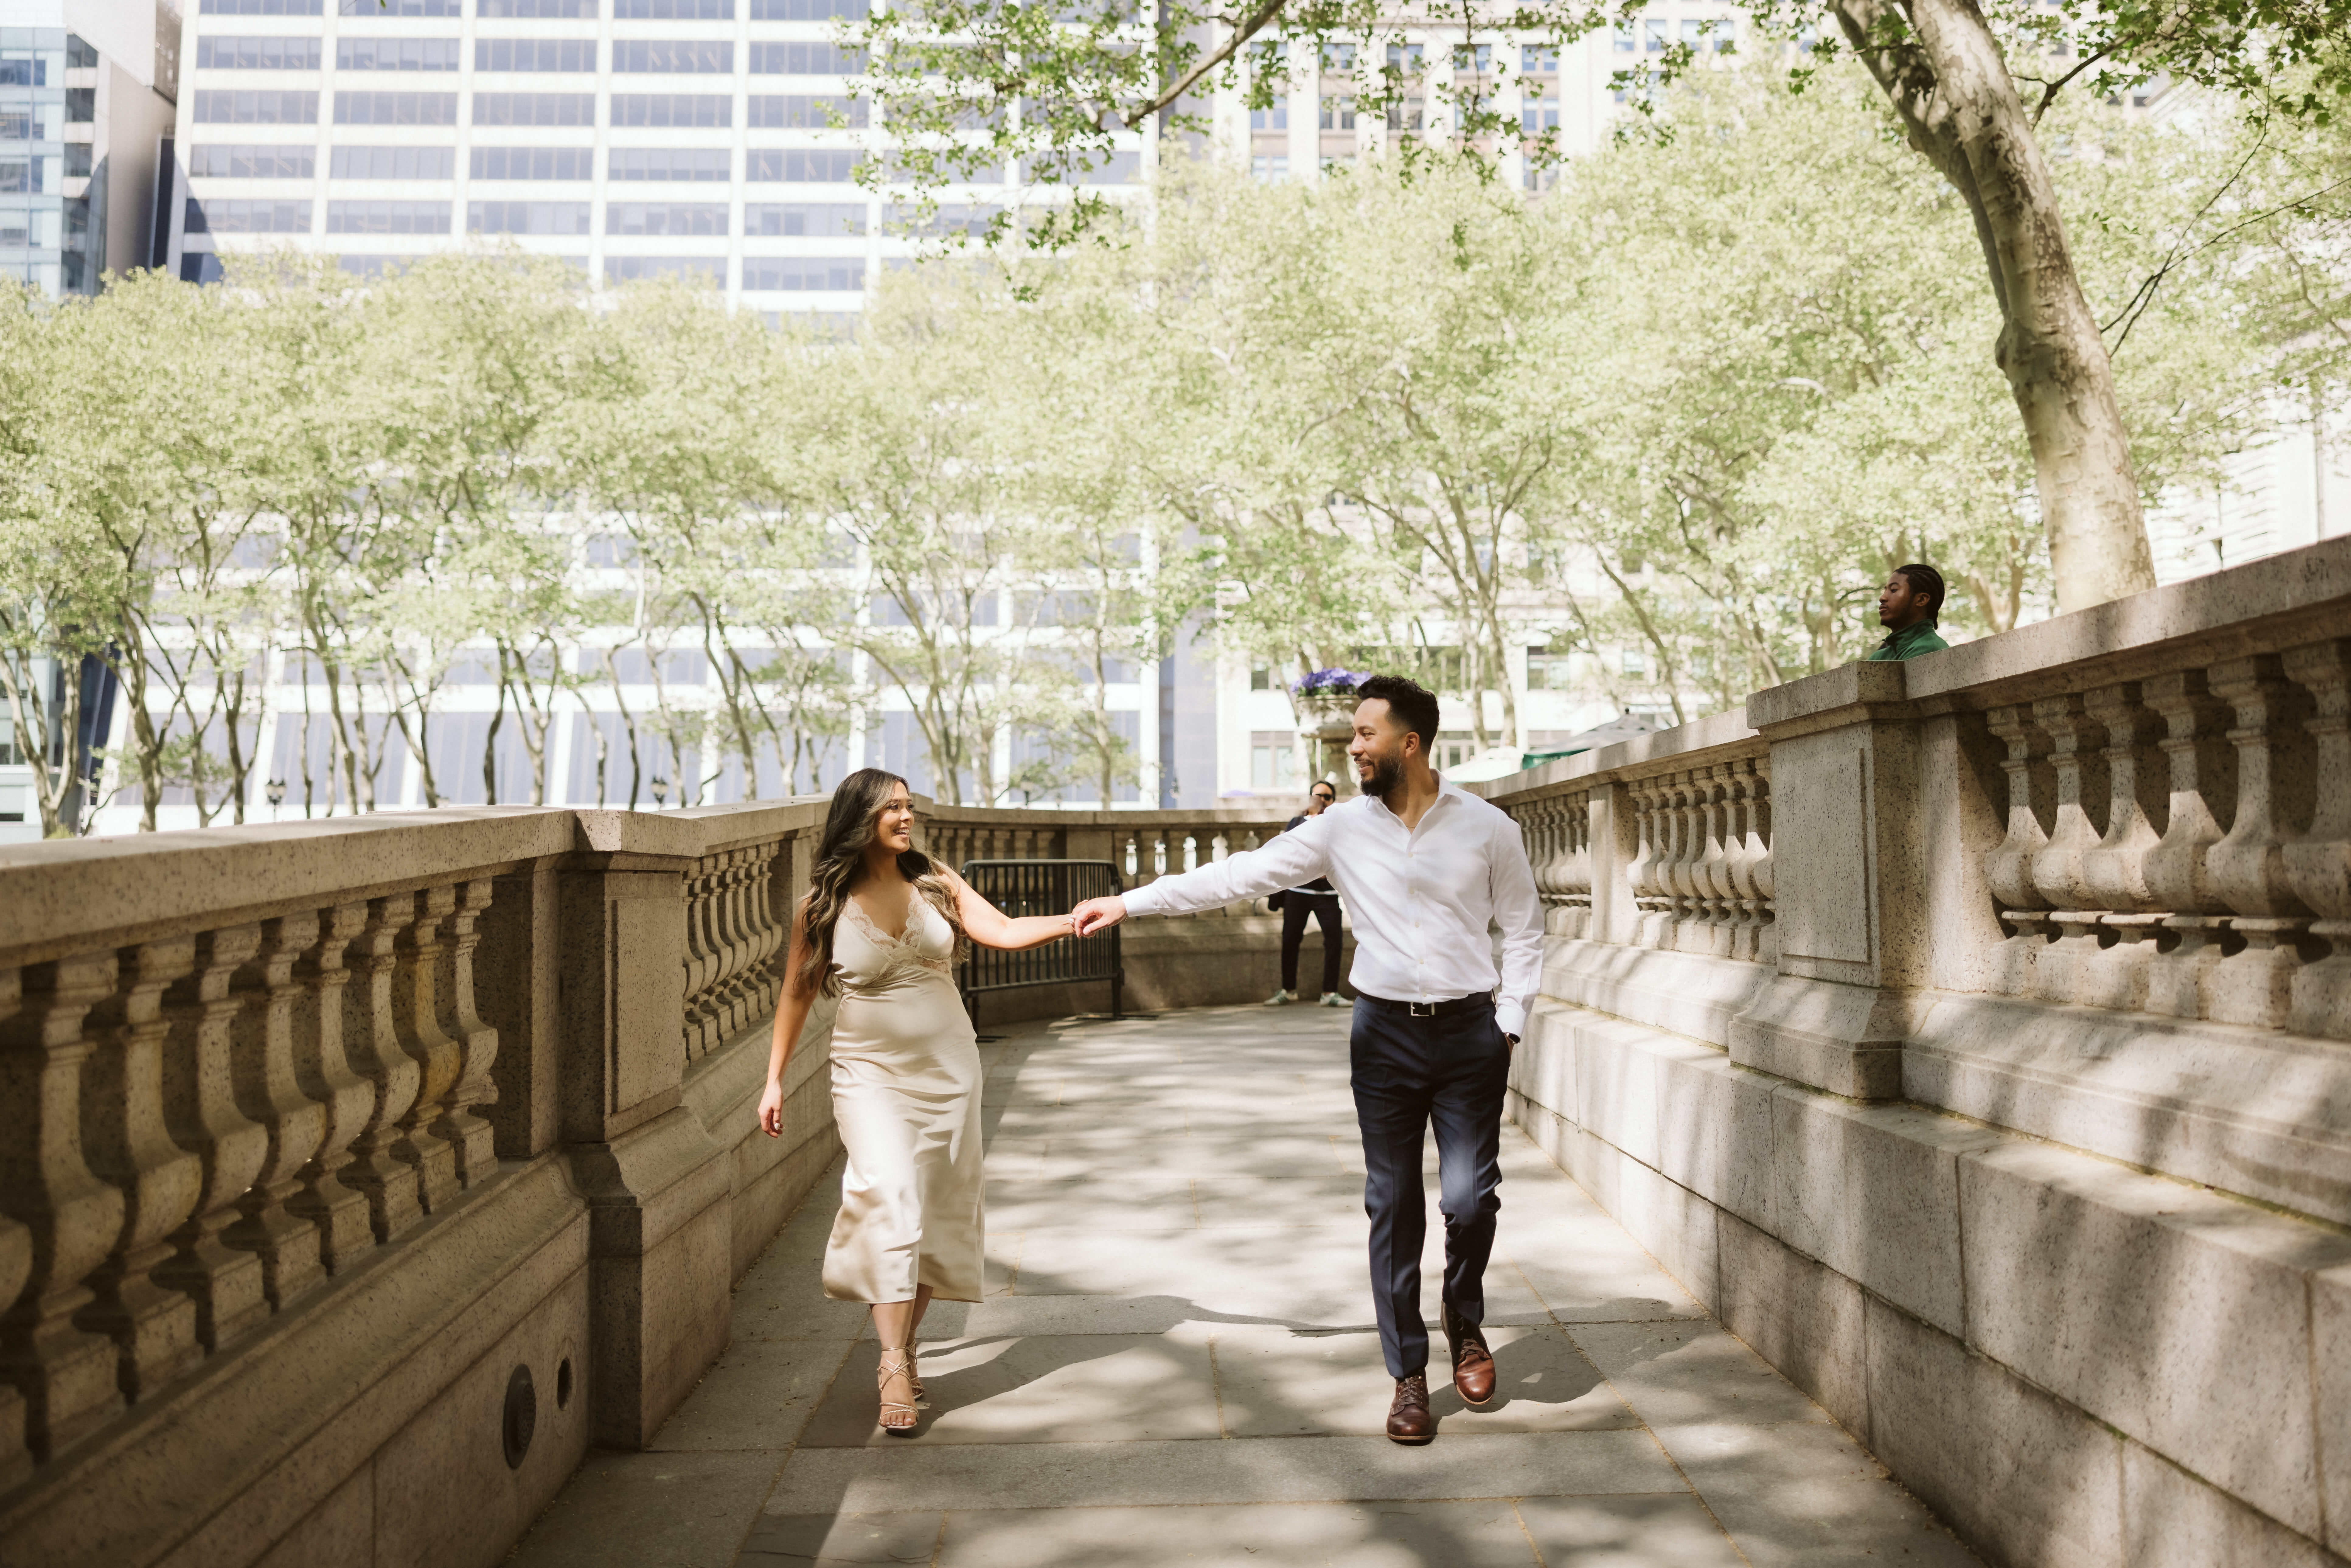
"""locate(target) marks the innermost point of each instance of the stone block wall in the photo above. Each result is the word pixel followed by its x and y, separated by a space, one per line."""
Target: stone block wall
pixel 1969 1035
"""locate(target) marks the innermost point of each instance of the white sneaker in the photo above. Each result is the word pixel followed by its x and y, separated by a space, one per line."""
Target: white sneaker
pixel 1334 1000
pixel 1280 998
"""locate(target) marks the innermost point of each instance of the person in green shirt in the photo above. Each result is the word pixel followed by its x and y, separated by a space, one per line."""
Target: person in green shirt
pixel 1906 607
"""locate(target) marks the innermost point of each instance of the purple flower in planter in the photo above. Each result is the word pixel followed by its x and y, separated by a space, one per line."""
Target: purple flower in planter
pixel 1331 683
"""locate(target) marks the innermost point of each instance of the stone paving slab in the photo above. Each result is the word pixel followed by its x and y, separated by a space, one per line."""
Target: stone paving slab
pixel 1175 1363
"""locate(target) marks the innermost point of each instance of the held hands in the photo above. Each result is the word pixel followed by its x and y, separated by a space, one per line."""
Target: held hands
pixel 1096 914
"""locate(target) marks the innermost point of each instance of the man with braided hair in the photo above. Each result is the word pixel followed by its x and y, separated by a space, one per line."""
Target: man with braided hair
pixel 1907 607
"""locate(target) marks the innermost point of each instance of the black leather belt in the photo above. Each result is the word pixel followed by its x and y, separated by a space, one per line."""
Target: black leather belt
pixel 1469 1004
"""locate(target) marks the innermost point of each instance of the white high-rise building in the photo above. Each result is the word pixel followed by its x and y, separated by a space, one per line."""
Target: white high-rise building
pixel 634 138
pixel 86 90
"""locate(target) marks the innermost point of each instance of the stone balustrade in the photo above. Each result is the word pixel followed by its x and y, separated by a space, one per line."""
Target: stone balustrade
pixel 1969 1034
pixel 314 1137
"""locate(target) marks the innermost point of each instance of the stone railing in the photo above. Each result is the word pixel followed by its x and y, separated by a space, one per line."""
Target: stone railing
pixel 1969 1034
pixel 1693 859
pixel 370 1142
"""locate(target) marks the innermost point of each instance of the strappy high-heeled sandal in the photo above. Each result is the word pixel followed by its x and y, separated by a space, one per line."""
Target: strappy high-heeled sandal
pixel 897 1420
pixel 915 1378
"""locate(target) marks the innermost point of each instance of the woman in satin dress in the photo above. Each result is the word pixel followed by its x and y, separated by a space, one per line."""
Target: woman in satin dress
pixel 878 929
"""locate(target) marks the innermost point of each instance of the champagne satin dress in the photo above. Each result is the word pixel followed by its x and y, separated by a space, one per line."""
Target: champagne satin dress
pixel 905 1093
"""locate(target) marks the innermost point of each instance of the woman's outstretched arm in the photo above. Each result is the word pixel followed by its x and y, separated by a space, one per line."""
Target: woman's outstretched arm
pixel 792 1006
pixel 991 927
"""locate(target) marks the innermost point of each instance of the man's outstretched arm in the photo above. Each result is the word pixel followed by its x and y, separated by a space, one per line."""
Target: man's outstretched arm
pixel 1300 855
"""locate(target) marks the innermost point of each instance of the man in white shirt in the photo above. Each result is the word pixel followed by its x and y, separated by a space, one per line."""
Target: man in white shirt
pixel 1427 869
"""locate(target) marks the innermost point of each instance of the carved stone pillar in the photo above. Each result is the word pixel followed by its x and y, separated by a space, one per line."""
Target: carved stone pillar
pixel 382 1166
pixel 2276 780
pixel 416 1016
pixel 269 1092
pixel 200 1106
pixel 338 1210
pixel 2203 795
pixel 65 1373
pixel 127 1144
pixel 2319 861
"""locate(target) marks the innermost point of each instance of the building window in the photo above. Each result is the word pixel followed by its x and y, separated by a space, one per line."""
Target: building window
pixel 258 7
pixel 1631 662
pixel 389 163
pixel 395 108
pixel 788 220
pixel 673 56
pixel 553 10
pixel 1653 34
pixel 973 220
pixel 81 105
pixel 1261 678
pixel 249 217
pixel 387 217
pixel 698 108
pixel 808 10
pixel 1404 58
pixel 1623 43
pixel 1477 58
pixel 1539 115
pixel 803 111
pixel 400 8
pixel 536 109
pixel 1550 671
pixel 534 55
pixel 526 217
pixel 694 164
pixel 674 10
pixel 820 165
pixel 1409 115
pixel 1272 170
pixel 1273 760
pixel 224 107
pixel 693 268
pixel 665 218
pixel 283 161
pixel 1339 112
pixel 79 160
pixel 1539 59
pixel 831 274
pixel 254 53
pixel 534 163
pixel 1274 117
pixel 806 61
pixel 81 54
pixel 396 55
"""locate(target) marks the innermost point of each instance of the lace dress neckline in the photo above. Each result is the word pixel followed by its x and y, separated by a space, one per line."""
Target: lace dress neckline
pixel 874 930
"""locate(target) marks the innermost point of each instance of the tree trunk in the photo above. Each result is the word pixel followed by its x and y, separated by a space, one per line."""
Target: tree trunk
pixel 1951 87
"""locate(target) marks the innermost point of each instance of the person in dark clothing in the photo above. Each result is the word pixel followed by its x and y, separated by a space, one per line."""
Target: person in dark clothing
pixel 1907 607
pixel 1316 900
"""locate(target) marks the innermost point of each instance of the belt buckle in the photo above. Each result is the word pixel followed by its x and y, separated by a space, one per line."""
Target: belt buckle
pixel 1422 1009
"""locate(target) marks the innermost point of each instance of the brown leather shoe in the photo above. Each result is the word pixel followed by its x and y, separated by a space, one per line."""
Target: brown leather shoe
pixel 1473 1364
pixel 1408 1418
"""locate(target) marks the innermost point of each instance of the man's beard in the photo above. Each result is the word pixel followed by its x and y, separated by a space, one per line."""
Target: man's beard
pixel 1387 774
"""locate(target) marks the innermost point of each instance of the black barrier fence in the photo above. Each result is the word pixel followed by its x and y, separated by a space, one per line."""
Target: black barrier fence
pixel 1043 887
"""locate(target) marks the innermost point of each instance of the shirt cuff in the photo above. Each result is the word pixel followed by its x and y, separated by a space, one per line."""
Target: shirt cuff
pixel 1140 901
pixel 1511 1017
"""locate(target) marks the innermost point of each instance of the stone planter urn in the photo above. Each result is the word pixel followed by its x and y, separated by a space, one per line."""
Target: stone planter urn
pixel 1326 707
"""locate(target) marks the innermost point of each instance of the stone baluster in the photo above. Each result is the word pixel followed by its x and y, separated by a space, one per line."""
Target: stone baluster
pixel 2203 795
pixel 727 1011
pixel 16 1270
pixel 2275 782
pixel 1577 876
pixel 2319 861
pixel 269 1093
pixel 459 1124
pixel 2115 868
pixel 338 1210
pixel 416 1010
pixel 383 1163
pixel 1714 869
pixel 701 955
pixel 128 1143
pixel 2068 968
pixel 65 1373
pixel 2008 866
pixel 1648 891
pixel 1678 873
pixel 201 1110
pixel 1741 851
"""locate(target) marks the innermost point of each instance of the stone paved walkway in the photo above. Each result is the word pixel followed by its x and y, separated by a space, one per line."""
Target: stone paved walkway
pixel 1176 1364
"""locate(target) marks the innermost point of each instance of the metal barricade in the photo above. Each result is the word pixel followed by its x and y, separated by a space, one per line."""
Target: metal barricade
pixel 1043 887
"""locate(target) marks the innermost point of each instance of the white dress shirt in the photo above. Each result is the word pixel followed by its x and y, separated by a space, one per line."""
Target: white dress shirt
pixel 1422 900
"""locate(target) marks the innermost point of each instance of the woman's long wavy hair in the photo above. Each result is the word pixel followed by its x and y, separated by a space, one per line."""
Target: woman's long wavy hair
pixel 848 827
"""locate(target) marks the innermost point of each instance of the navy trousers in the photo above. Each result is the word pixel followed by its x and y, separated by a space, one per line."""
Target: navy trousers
pixel 1409 1074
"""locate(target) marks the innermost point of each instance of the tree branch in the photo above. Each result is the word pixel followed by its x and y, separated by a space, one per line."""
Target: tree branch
pixel 1253 24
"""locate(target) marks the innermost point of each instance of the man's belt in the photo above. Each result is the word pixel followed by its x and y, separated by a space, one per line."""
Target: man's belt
pixel 1479 1002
